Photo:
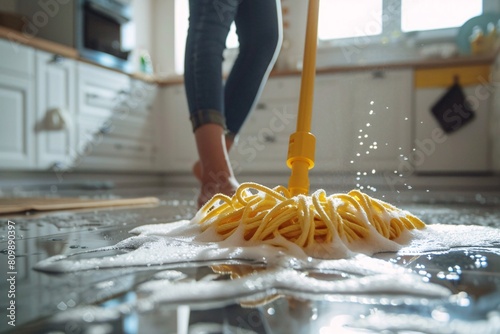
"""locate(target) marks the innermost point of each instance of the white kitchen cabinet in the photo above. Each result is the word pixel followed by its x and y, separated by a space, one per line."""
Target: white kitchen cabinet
pixel 379 122
pixel 115 122
pixel 361 121
pixel 495 115
pixel 466 150
pixel 55 110
pixel 331 121
pixel 177 147
pixel 262 145
pixel 17 123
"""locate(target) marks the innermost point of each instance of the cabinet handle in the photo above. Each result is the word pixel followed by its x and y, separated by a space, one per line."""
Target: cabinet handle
pixel 57 166
pixel 120 146
pixel 98 100
pixel 269 139
pixel 106 128
pixel 378 74
pixel 56 60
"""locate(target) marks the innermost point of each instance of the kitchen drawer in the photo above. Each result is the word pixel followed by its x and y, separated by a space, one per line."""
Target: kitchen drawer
pixel 16 58
pixel 141 96
pixel 101 147
pixel 130 126
pixel 100 91
pixel 123 148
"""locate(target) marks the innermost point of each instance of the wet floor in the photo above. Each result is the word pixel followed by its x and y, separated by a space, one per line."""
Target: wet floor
pixel 100 301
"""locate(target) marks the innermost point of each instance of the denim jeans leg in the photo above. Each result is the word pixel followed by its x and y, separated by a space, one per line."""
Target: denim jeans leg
pixel 259 29
pixel 209 24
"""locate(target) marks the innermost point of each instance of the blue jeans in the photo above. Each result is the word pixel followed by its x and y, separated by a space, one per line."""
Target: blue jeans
pixel 258 26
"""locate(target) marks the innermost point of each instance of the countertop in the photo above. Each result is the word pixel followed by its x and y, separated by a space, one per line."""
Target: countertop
pixel 69 52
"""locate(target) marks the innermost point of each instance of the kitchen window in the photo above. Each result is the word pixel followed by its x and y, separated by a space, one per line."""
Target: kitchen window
pixel 385 20
pixel 349 19
pixel 423 15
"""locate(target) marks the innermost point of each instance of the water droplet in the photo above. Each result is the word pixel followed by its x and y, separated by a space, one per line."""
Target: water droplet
pixel 368 124
pixel 371 112
pixel 373 171
pixel 372 102
pixel 360 143
pixel 62 306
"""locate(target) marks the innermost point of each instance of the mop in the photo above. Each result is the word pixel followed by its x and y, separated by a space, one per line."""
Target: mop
pixel 306 220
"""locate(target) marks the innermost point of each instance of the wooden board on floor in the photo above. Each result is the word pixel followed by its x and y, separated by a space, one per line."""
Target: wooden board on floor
pixel 16 205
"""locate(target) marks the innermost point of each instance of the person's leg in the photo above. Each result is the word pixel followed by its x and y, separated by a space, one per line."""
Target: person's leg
pixel 217 175
pixel 208 29
pixel 259 29
pixel 259 48
pixel 197 169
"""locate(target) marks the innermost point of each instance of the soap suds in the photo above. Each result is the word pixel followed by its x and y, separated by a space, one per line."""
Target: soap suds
pixel 323 272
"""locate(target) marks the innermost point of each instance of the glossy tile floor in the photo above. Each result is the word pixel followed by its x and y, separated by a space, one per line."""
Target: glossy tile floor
pixel 80 302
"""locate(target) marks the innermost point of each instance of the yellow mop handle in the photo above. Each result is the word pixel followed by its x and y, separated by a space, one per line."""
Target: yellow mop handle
pixel 302 143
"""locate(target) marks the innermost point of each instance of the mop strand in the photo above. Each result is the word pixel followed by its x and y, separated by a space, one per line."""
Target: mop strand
pixel 304 220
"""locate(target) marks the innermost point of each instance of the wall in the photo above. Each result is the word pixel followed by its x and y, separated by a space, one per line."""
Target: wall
pixel 163 36
pixel 143 11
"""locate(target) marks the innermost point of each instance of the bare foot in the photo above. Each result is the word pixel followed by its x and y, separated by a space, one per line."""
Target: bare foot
pixel 216 184
pixel 197 170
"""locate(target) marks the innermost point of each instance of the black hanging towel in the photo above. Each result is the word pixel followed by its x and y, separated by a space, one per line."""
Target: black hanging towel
pixel 452 111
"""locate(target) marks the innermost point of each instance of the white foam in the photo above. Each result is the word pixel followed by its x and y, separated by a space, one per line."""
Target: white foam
pixel 182 242
pixel 290 270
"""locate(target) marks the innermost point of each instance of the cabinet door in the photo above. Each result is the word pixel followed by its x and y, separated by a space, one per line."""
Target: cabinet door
pixel 380 132
pixel 100 90
pixel 495 117
pixel 16 122
pixel 55 91
pixel 466 150
pixel 114 123
pixel 263 141
pixel 331 122
pixel 177 146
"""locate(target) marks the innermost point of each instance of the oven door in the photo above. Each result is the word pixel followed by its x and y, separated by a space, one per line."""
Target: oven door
pixel 101 34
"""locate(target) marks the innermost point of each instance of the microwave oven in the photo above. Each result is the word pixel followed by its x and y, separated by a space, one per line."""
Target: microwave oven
pixel 100 30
